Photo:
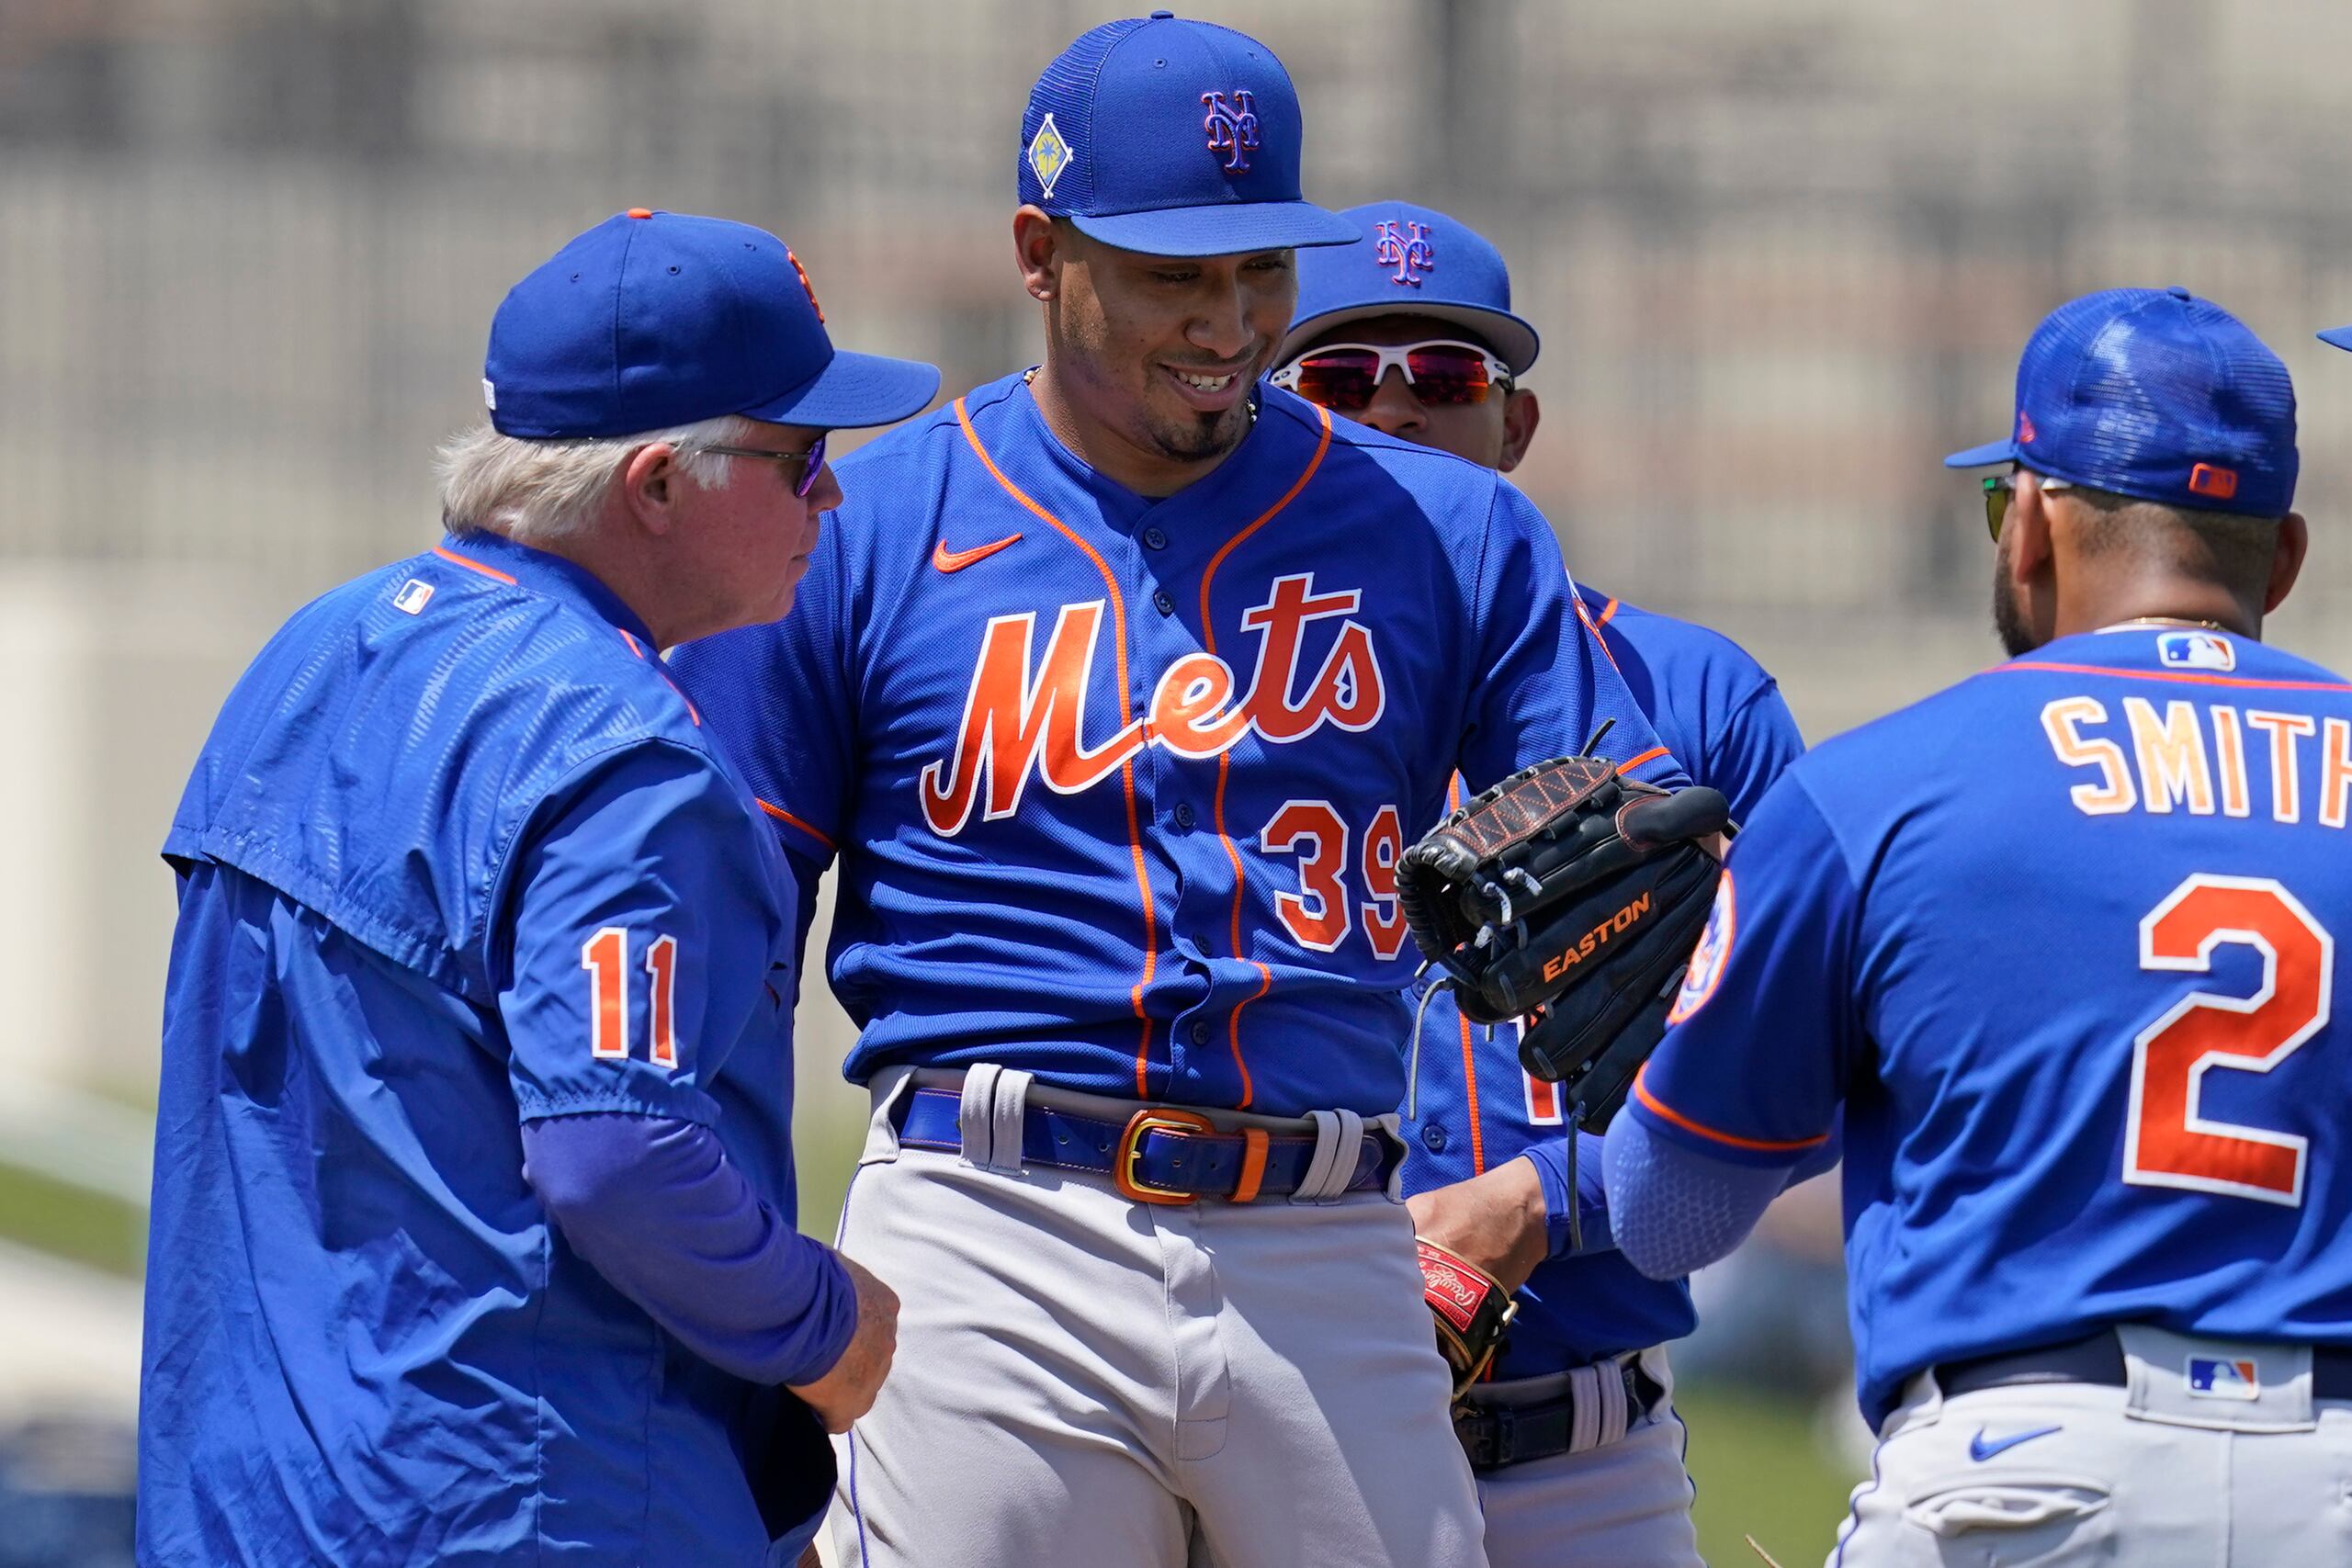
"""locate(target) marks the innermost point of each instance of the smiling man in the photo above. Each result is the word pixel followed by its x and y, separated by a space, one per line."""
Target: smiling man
pixel 1116 687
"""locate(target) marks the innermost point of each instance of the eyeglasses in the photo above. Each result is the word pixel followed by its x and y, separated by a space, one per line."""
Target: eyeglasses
pixel 1345 376
pixel 810 461
pixel 2000 487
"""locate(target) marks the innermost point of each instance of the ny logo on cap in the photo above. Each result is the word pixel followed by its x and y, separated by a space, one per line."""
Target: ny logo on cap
pixel 1232 126
pixel 1407 248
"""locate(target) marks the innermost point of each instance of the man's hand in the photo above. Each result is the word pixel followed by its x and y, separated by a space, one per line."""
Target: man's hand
pixel 1495 1221
pixel 847 1392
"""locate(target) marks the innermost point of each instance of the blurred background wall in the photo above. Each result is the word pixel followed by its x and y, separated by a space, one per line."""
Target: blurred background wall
pixel 1782 253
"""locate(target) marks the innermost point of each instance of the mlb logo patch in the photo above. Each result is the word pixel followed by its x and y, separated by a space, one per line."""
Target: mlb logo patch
pixel 2210 1377
pixel 2196 651
pixel 414 596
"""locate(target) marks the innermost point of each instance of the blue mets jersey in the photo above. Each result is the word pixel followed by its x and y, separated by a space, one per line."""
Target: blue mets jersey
pixel 1119 783
pixel 2063 940
pixel 456 856
pixel 1722 716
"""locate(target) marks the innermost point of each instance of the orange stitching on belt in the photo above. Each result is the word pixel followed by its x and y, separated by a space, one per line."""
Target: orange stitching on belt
pixel 1225 758
pixel 1254 1143
pixel 1127 768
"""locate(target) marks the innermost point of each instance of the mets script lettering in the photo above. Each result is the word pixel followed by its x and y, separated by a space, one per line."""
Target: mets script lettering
pixel 1026 716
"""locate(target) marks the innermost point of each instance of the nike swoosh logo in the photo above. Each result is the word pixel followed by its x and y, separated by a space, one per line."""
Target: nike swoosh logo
pixel 1980 1450
pixel 946 560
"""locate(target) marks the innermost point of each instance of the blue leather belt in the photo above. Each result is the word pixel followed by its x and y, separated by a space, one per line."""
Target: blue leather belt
pixel 1160 1155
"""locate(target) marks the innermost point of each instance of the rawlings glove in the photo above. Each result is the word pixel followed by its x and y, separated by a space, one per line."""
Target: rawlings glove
pixel 1471 1307
pixel 1570 898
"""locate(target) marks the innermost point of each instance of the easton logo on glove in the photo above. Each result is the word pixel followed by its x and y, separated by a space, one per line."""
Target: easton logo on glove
pixel 1590 944
pixel 1570 898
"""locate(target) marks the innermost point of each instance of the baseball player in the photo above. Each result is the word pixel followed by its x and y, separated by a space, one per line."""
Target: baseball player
pixel 1410 331
pixel 472 1238
pixel 1116 688
pixel 2062 940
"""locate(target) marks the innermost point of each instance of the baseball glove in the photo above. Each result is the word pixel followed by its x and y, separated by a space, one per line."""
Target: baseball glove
pixel 1570 898
pixel 1472 1309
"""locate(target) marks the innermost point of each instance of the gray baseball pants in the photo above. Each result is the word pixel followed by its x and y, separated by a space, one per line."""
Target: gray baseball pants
pixel 1624 1502
pixel 2154 1474
pixel 1255 1386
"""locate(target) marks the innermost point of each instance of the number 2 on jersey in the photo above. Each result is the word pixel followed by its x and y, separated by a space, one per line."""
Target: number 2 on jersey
pixel 2167 1142
pixel 605 957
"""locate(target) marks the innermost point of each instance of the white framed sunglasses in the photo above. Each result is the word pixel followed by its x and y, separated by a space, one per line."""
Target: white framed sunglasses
pixel 1345 376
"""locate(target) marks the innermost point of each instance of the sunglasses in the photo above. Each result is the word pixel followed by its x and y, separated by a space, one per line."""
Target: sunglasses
pixel 1345 376
pixel 810 461
pixel 1998 491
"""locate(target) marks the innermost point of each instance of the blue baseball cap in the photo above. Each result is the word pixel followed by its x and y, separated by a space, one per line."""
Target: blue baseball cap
pixel 1410 261
pixel 1173 138
pixel 652 320
pixel 2157 394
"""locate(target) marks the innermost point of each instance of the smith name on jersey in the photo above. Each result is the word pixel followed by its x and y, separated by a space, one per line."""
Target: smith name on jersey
pixel 2065 940
pixel 1119 783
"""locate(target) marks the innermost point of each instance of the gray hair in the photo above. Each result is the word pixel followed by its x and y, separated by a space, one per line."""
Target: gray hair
pixel 537 492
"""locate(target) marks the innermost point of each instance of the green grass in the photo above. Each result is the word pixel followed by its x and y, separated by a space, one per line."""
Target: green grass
pixel 1762 1472
pixel 73 1222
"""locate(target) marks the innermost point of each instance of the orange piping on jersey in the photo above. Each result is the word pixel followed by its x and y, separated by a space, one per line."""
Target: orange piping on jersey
pixel 691 712
pixel 489 571
pixel 1470 1077
pixel 1590 626
pixel 633 647
pixel 1126 768
pixel 781 815
pixel 2180 675
pixel 1225 758
pixel 1608 613
pixel 1653 753
pixel 1642 1092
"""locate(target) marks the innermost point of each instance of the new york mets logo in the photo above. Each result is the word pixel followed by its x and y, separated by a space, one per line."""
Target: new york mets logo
pixel 1232 125
pixel 1407 248
pixel 1707 959
pixel 1022 718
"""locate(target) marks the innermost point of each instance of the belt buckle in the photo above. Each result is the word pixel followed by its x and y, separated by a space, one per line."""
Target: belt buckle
pixel 1123 1164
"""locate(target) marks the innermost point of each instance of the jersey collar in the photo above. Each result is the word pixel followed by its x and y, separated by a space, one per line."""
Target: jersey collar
pixel 549 575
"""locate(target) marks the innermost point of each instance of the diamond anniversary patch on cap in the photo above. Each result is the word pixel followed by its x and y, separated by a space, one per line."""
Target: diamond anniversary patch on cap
pixel 1049 155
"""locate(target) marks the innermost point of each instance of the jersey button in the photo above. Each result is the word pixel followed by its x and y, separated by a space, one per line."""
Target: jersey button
pixel 1201 1032
pixel 1185 815
pixel 1434 1136
pixel 1164 601
pixel 1155 537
